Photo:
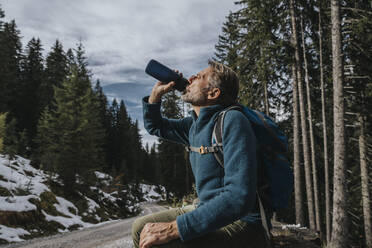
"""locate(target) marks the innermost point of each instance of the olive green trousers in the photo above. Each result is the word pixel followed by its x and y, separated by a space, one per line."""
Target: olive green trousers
pixel 236 235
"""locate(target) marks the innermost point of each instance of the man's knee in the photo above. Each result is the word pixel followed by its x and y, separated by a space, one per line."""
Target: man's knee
pixel 137 227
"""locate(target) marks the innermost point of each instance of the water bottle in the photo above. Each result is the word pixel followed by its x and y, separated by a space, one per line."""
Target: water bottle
pixel 166 75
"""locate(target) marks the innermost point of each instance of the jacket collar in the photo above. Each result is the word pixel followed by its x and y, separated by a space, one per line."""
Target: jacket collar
pixel 206 113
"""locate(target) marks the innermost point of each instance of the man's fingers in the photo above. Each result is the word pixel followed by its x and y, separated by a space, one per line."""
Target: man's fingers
pixel 178 72
pixel 145 243
pixel 148 243
pixel 169 86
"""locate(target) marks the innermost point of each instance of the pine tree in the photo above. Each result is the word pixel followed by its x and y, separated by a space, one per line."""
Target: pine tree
pixel 113 149
pixel 70 136
pixel 70 58
pixel 324 129
pixel 105 119
pixel 311 132
pixel 125 142
pixel 296 154
pixel 137 159
pixel 308 181
pixel 171 155
pixel 250 45
pixel 13 139
pixel 29 109
pixel 2 15
pixel 303 122
pixel 366 199
pixel 81 63
pixel 10 57
pixel 339 225
pixel 261 52
pixel 358 94
pixel 227 47
pixel 155 166
pixel 55 73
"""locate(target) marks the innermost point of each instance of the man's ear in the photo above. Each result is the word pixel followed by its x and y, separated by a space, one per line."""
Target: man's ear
pixel 214 94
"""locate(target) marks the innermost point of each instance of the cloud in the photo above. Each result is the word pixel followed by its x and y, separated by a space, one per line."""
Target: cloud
pixel 121 36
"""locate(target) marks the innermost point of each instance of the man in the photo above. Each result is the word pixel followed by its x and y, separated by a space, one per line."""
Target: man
pixel 227 215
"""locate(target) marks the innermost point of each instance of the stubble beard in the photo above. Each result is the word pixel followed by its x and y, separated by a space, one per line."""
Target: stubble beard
pixel 198 98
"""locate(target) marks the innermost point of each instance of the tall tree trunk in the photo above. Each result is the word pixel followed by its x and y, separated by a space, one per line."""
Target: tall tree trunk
pixel 312 145
pixel 300 219
pixel 339 224
pixel 365 191
pixel 325 145
pixel 305 146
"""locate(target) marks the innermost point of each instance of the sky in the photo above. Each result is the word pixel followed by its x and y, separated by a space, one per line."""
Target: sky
pixel 121 36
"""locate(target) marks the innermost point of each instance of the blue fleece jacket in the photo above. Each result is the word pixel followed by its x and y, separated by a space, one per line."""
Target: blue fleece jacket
pixel 226 194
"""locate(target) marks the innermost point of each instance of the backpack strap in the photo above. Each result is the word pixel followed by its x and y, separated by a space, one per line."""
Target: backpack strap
pixel 264 221
pixel 202 149
pixel 217 133
pixel 216 148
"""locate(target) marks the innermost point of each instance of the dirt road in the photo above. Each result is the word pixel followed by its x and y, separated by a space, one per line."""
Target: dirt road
pixel 116 234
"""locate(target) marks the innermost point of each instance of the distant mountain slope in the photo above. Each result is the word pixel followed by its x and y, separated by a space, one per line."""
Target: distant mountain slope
pixel 132 94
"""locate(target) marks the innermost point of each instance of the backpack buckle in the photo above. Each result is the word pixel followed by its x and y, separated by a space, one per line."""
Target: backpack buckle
pixel 202 150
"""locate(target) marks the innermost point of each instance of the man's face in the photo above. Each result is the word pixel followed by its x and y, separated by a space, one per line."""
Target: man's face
pixel 197 91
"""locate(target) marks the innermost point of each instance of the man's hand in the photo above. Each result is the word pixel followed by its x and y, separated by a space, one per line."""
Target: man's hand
pixel 159 90
pixel 158 233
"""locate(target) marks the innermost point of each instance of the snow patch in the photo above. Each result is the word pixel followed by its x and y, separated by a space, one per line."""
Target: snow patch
pixel 66 222
pixel 293 226
pixel 16 203
pixel 19 174
pixel 12 234
pixel 92 205
pixel 63 206
pixel 151 194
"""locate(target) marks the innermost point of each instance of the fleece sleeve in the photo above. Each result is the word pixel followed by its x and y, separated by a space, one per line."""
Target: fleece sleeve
pixel 239 190
pixel 176 130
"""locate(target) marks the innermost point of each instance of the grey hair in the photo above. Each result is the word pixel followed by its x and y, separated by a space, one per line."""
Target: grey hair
pixel 224 78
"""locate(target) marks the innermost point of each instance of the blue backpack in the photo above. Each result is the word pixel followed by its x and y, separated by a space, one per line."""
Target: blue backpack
pixel 275 177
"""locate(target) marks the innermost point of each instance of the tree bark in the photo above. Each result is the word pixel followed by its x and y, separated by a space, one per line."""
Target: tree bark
pixel 309 188
pixel 312 145
pixel 325 141
pixel 300 219
pixel 339 224
pixel 364 180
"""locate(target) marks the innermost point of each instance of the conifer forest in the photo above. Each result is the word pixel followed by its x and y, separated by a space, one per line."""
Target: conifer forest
pixel 305 63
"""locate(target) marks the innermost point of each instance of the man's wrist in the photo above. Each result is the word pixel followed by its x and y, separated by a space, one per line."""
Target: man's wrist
pixel 175 232
pixel 154 98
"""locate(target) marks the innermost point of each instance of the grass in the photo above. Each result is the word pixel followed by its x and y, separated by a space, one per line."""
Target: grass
pixel 21 192
pixel 4 192
pixel 2 178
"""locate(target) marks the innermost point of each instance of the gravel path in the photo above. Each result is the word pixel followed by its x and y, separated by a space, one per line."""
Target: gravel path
pixel 116 234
